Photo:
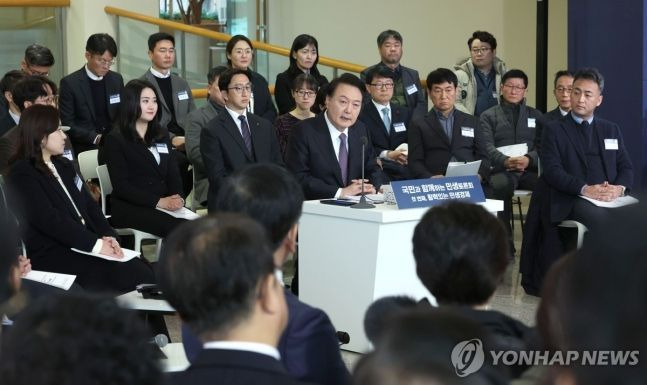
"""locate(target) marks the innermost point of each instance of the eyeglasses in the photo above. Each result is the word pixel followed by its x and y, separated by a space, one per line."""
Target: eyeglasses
pixel 561 90
pixel 480 50
pixel 243 51
pixel 306 94
pixel 37 73
pixel 382 86
pixel 239 89
pixel 514 88
pixel 106 63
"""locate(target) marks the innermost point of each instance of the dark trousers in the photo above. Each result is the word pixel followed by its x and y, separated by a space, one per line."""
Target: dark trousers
pixel 590 215
pixel 503 184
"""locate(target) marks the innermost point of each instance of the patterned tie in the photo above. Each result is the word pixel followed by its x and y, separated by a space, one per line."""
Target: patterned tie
pixel 386 119
pixel 247 135
pixel 343 158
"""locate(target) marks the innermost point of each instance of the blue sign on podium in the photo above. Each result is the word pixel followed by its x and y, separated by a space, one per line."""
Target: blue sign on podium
pixel 433 191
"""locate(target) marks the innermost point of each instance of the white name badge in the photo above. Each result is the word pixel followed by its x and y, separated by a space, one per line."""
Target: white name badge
pixel 114 99
pixel 611 144
pixel 77 182
pixel 161 148
pixel 495 95
pixel 182 95
pixel 399 127
pixel 412 89
pixel 68 154
pixel 467 131
pixel 531 122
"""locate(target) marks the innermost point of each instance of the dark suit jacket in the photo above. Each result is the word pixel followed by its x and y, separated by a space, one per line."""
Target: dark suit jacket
pixel 311 157
pixel 9 145
pixel 6 123
pixel 309 346
pixel 283 89
pixel 430 150
pixel 564 165
pixel 231 367
pixel 372 119
pixel 542 122
pixel 263 105
pixel 77 107
pixel 417 101
pixel 52 225
pixel 181 107
pixel 223 149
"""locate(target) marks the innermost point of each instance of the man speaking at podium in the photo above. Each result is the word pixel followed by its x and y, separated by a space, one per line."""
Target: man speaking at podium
pixel 325 152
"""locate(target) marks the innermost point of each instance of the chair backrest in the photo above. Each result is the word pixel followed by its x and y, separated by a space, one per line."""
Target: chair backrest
pixel 104 183
pixel 88 164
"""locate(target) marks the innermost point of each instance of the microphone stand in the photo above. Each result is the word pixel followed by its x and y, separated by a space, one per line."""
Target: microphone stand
pixel 363 204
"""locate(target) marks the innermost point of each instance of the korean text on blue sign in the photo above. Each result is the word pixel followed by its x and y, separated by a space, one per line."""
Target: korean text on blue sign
pixel 430 192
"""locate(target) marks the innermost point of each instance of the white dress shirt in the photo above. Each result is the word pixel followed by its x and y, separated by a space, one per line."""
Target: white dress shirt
pixel 336 142
pixel 255 347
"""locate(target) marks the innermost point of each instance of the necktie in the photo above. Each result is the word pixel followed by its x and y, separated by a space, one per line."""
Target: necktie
pixel 586 132
pixel 247 135
pixel 343 158
pixel 386 119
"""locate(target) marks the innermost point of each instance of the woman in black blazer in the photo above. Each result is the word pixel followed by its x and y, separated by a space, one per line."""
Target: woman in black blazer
pixel 141 163
pixel 239 56
pixel 304 56
pixel 59 214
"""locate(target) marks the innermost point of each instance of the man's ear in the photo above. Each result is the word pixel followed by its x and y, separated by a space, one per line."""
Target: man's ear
pixel 8 96
pixel 271 297
pixel 291 239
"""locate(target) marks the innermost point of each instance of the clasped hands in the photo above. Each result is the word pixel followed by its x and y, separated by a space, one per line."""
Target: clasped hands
pixel 355 188
pixel 397 156
pixel 171 203
pixel 603 192
pixel 516 163
pixel 111 247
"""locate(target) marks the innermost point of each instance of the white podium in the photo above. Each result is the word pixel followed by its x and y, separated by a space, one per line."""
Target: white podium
pixel 348 258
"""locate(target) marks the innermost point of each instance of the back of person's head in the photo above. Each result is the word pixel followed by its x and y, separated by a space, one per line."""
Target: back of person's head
pixel 381 311
pixel 213 270
pixel 345 78
pixel 389 33
pixel 225 77
pixel 515 74
pixel 484 37
pixel 10 79
pixel 418 347
pixel 559 74
pixel 301 42
pixel 441 76
pixel 38 55
pixel 320 99
pixel 591 74
pixel 157 37
pixel 266 193
pixel 215 73
pixel 99 43
pixel 29 89
pixel 78 339
pixel 461 253
pixel 130 110
pixel 306 81
pixel 381 71
pixel 36 123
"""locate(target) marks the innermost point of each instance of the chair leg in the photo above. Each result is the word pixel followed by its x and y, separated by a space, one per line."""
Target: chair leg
pixel 138 241
pixel 520 212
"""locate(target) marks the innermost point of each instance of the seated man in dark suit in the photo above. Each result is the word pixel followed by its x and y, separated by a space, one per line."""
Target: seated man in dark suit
pixel 386 122
pixel 235 137
pixel 10 112
pixel 563 86
pixel 90 97
pixel 445 134
pixel 325 152
pixel 218 272
pixel 270 195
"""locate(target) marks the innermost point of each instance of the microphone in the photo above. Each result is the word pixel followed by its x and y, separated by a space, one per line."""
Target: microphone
pixel 160 340
pixel 362 204
pixel 343 337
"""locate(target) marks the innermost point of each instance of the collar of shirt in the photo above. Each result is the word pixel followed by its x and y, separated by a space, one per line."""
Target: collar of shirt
pixel 562 112
pixel 158 74
pixel 255 347
pixel 381 106
pixel 234 115
pixel 15 117
pixel 91 75
pixel 334 135
pixel 440 115
pixel 579 120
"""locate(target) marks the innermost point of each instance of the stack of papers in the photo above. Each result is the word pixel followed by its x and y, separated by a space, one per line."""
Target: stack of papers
pixel 62 281
pixel 404 147
pixel 618 202
pixel 371 198
pixel 520 149
pixel 128 255
pixel 463 169
pixel 182 213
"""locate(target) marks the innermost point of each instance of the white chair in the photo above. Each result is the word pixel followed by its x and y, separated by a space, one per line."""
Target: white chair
pixel 88 164
pixel 581 230
pixel 106 189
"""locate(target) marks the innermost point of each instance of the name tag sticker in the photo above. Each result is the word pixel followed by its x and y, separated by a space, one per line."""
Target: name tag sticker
pixel 399 127
pixel 531 122
pixel 68 154
pixel 495 95
pixel 161 148
pixel 611 144
pixel 467 131
pixel 77 182
pixel 182 95
pixel 114 99
pixel 412 89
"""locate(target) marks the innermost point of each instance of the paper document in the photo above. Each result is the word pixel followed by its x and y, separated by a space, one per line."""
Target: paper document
pixel 62 281
pixel 182 213
pixel 404 147
pixel 520 149
pixel 618 202
pixel 128 255
pixel 463 169
pixel 375 198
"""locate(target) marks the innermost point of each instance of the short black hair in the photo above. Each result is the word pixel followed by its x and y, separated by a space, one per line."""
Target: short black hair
pixel 226 76
pixel 440 76
pixel 590 74
pixel 232 42
pixel 38 55
pixel 10 79
pixel 461 253
pixel 515 74
pixel 345 78
pixel 99 43
pixel 29 89
pixel 57 334
pixel 215 72
pixel 157 37
pixel 381 38
pixel 483 36
pixel 381 311
pixel 379 70
pixel 304 80
pixel 561 73
pixel 210 268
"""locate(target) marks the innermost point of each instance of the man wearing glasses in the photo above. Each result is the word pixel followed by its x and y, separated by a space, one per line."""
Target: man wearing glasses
pixel 235 137
pixel 512 122
pixel 563 87
pixel 479 76
pixel 90 97
pixel 386 122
